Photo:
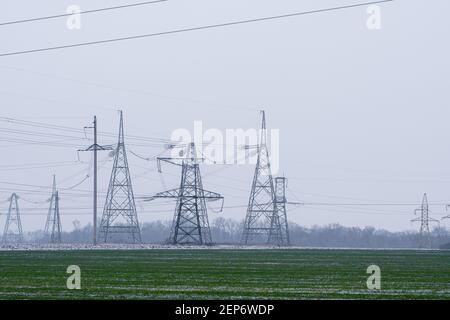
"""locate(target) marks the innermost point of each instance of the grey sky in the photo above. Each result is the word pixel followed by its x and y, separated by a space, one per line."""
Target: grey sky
pixel 363 115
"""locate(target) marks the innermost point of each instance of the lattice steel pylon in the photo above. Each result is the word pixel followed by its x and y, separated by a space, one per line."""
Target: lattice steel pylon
pixel 13 227
pixel 190 223
pixel 424 219
pixel 261 222
pixel 120 215
pixel 53 223
pixel 281 237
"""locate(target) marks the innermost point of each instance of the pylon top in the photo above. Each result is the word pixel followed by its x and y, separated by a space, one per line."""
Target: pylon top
pixel 263 134
pixel 121 130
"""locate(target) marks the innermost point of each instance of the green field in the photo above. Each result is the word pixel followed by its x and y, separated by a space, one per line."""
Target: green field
pixel 224 274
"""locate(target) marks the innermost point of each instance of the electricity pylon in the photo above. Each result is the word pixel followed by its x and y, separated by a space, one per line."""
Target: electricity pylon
pixel 119 214
pixel 190 223
pixel 424 219
pixel 53 224
pixel 261 220
pixel 13 227
pixel 280 236
pixel 95 148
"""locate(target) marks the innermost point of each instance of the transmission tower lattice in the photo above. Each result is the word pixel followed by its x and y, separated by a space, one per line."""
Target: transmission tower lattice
pixel 53 223
pixel 280 238
pixel 13 228
pixel 424 219
pixel 261 222
pixel 190 223
pixel 119 214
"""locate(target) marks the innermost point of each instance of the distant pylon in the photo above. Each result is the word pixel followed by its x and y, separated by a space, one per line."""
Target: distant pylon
pixel 424 219
pixel 119 214
pixel 261 220
pixel 280 236
pixel 190 223
pixel 13 227
pixel 53 224
pixel 448 216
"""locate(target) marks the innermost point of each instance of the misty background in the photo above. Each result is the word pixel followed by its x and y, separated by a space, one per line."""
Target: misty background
pixel 363 114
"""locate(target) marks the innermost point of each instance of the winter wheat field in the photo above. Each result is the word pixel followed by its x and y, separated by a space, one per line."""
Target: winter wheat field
pixel 224 274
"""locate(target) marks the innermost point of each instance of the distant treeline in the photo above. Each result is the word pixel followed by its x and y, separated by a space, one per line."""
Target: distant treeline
pixel 229 231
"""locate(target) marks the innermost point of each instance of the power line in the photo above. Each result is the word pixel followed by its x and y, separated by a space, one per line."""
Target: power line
pixel 349 211
pixel 14 166
pixel 219 25
pixel 76 130
pixel 39 189
pixel 53 143
pixel 84 171
pixel 81 12
pixel 35 133
pixel 36 186
pixel 196 101
pixel 50 165
pixel 79 183
pixel 151 158
pixel 365 204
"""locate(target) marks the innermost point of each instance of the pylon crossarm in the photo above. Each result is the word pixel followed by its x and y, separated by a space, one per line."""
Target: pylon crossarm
pixel 179 161
pixel 167 160
pixel 98 148
pixel 174 193
pixel 211 196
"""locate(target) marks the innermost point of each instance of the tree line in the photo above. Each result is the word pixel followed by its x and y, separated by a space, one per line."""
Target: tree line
pixel 229 231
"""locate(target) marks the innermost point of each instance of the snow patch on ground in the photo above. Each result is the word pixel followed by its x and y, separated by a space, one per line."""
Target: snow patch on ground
pixel 68 247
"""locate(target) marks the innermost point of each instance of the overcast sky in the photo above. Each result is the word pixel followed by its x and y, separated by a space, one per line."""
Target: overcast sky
pixel 363 114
